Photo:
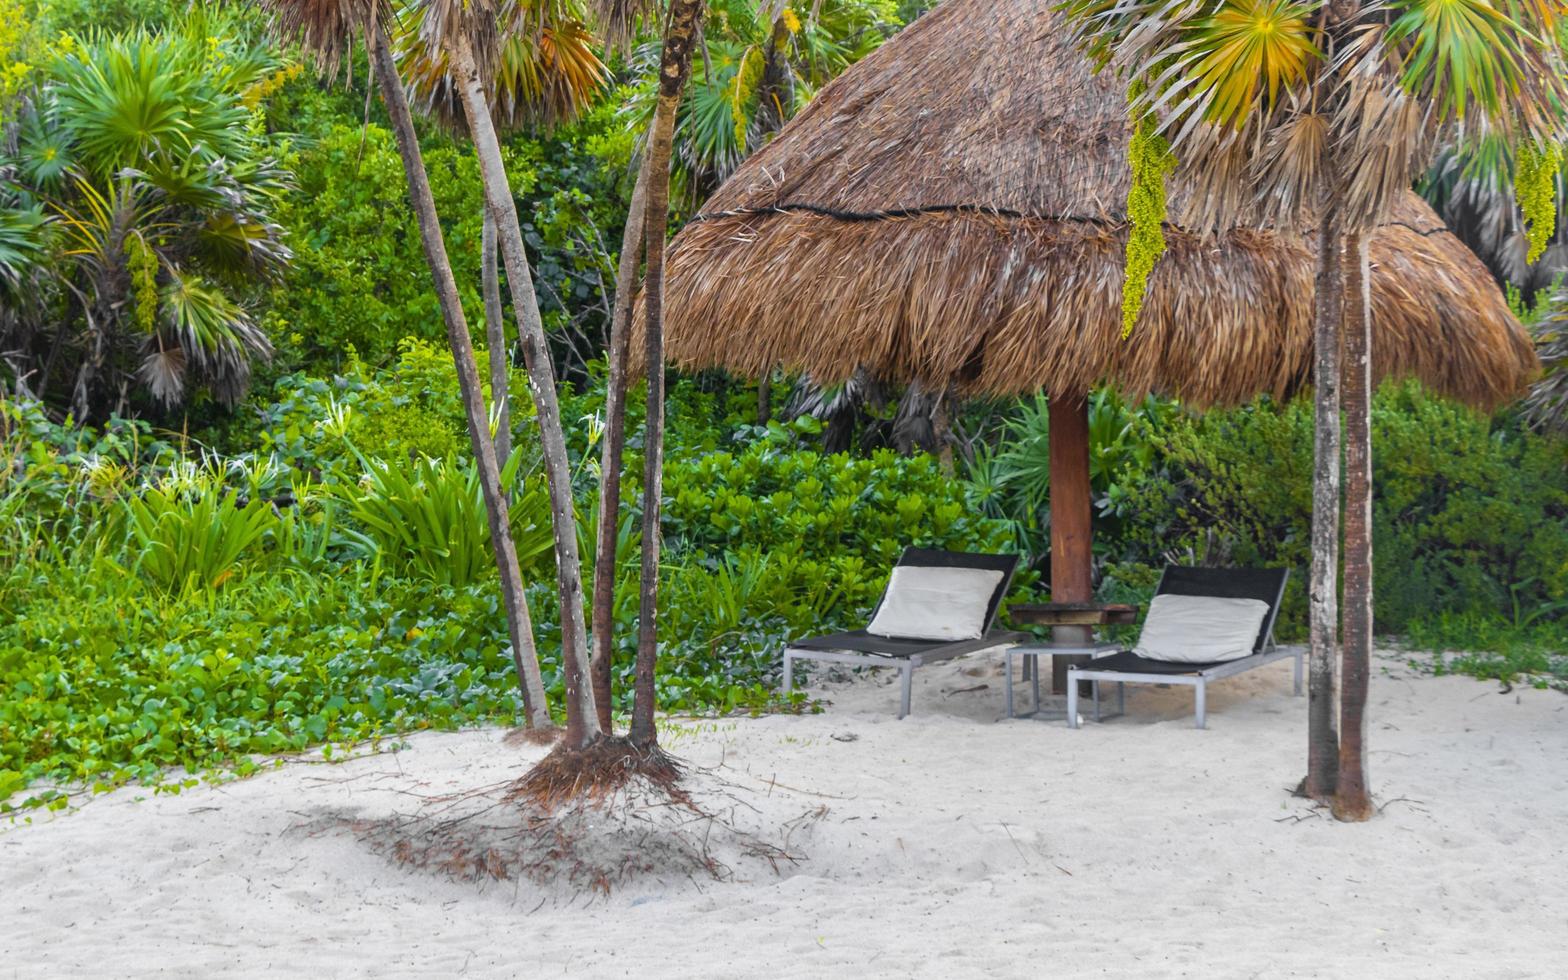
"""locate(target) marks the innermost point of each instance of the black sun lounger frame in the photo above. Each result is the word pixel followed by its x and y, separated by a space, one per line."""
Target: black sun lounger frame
pixel 858 648
pixel 1126 667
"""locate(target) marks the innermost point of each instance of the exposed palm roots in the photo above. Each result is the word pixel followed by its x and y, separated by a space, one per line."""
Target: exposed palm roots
pixel 586 822
pixel 605 766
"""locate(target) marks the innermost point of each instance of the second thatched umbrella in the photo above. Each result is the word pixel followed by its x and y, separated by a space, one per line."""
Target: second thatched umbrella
pixel 950 211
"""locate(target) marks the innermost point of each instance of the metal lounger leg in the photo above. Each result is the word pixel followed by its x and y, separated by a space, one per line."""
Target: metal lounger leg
pixel 908 670
pixel 1121 697
pixel 1096 688
pixel 1298 672
pixel 1034 677
pixel 1008 658
pixel 1201 699
pixel 789 672
pixel 1072 700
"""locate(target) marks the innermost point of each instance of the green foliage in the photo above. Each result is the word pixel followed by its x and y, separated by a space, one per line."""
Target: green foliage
pixel 1149 155
pixel 103 680
pixel 1490 647
pixel 1011 480
pixel 820 531
pixel 1470 516
pixel 722 115
pixel 1535 185
pixel 427 518
pixel 193 538
pixel 359 279
pixel 409 410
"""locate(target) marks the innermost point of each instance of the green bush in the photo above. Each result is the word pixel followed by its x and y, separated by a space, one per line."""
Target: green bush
pixel 1470 514
pixel 359 279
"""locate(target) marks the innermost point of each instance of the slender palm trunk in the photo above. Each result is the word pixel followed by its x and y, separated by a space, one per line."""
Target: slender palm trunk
pixel 1323 594
pixel 942 431
pixel 765 398
pixel 536 709
pixel 1351 801
pixel 495 339
pixel 685 18
pixel 582 720
pixel 776 92
pixel 604 566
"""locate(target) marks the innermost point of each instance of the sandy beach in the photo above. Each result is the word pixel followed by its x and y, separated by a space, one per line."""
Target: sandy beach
pixel 953 843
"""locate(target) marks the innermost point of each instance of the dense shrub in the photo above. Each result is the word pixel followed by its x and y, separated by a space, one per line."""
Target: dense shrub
pixel 359 279
pixel 1470 513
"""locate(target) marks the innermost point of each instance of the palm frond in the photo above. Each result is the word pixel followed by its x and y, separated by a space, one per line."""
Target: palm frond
pixel 326 29
pixel 544 71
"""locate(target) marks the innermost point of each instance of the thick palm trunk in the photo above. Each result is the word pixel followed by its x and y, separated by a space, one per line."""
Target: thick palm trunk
pixel 495 339
pixel 536 708
pixel 1351 801
pixel 604 567
pixel 1323 595
pixel 685 18
pixel 582 721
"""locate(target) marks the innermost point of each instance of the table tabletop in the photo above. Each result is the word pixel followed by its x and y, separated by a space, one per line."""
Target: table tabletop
pixel 1066 647
pixel 1073 613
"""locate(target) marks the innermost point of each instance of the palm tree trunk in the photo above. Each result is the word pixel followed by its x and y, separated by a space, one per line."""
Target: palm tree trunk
pixel 582 720
pixel 685 18
pixel 536 708
pixel 776 92
pixel 1351 801
pixel 604 566
pixel 765 398
pixel 1323 594
pixel 942 431
pixel 495 339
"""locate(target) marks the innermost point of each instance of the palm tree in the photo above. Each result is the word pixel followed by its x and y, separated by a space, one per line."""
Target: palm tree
pixel 682 24
pixel 1287 113
pixel 327 29
pixel 467 31
pixel 137 148
pixel 545 73
pixel 761 63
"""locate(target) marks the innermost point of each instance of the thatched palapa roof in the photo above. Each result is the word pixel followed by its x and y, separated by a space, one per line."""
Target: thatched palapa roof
pixel 951 210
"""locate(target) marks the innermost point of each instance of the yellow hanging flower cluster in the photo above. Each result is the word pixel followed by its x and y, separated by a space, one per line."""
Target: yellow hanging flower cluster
pixel 1149 155
pixel 143 267
pixel 260 91
pixel 747 75
pixel 1535 185
pixel 791 20
pixel 14 36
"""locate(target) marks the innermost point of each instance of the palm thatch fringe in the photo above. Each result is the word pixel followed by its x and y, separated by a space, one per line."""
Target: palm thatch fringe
pixel 950 212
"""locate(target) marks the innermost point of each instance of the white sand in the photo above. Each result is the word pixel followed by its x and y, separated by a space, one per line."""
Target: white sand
pixel 953 845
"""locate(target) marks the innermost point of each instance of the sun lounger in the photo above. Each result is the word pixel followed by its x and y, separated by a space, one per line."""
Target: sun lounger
pixel 950 592
pixel 1185 632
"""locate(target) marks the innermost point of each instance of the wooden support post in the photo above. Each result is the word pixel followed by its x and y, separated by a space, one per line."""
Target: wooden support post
pixel 1072 558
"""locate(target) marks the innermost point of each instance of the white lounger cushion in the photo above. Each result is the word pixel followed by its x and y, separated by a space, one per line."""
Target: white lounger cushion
pixel 929 602
pixel 1200 629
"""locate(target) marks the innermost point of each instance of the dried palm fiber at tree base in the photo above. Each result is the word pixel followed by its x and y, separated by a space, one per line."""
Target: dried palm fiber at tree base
pixel 599 769
pixel 951 211
pixel 638 830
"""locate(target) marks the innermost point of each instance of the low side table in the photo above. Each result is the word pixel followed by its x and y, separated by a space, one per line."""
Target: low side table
pixel 1073 622
pixel 1047 648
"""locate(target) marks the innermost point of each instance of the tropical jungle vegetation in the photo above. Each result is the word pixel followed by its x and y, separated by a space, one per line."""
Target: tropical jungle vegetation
pixel 249 497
